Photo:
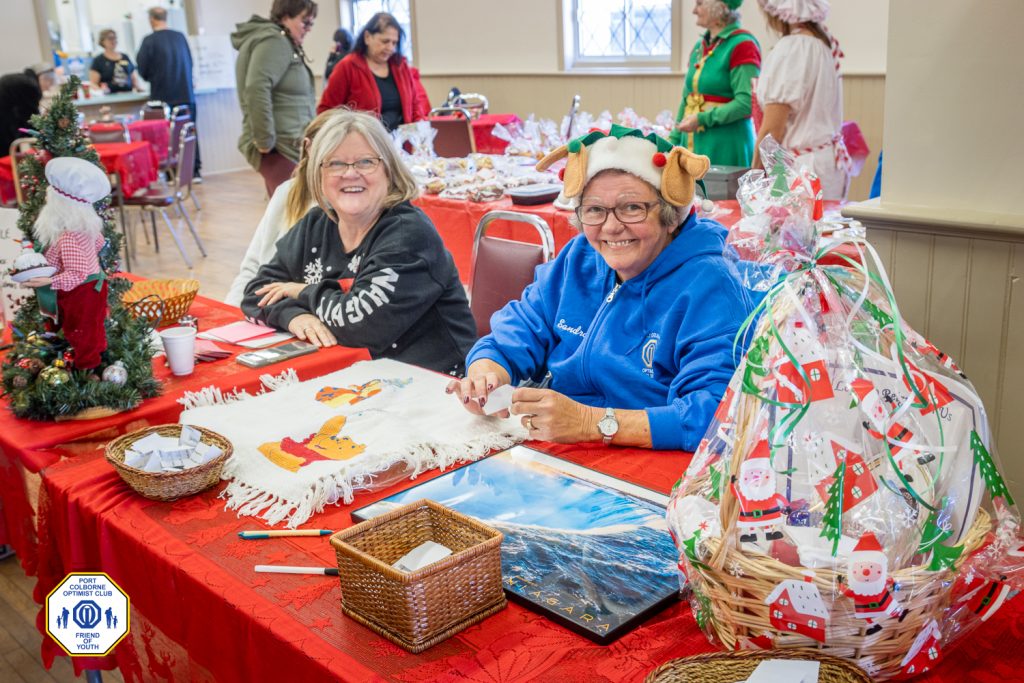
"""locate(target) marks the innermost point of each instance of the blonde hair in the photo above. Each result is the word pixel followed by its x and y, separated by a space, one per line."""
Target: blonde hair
pixel 105 34
pixel 299 195
pixel 342 123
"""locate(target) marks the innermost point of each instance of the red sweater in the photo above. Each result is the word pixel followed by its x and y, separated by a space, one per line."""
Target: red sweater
pixel 352 84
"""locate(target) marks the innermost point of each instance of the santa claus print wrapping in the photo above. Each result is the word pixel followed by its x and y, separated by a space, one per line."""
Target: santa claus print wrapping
pixel 846 495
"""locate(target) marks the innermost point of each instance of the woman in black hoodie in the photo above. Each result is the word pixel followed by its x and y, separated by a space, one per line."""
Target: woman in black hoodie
pixel 365 268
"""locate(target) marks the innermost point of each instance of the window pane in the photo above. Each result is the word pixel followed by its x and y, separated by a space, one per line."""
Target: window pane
pixel 624 28
pixel 363 10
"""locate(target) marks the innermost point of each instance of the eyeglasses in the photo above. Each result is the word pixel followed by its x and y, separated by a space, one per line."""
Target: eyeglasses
pixel 307 24
pixel 335 168
pixel 629 212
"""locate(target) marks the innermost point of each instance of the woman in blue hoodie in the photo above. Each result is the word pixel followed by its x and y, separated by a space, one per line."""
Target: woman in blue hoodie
pixel 634 320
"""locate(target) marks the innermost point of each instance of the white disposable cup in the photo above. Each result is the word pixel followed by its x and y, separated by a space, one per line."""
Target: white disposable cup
pixel 180 346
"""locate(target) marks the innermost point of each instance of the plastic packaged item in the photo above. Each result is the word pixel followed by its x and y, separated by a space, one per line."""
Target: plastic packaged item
pixel 846 495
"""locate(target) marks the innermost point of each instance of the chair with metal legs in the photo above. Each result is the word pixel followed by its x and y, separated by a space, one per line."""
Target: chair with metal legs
pixel 503 268
pixel 161 198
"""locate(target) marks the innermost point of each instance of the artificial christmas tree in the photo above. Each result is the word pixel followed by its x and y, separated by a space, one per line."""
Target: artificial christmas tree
pixel 38 376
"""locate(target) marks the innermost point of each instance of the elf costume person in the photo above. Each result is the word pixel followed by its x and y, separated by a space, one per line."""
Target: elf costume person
pixel 71 234
pixel 714 116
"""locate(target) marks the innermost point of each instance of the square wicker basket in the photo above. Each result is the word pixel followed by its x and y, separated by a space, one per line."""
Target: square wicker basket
pixel 419 609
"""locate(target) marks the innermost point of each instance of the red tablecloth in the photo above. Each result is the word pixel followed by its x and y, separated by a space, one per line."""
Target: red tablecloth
pixel 135 163
pixel 483 132
pixel 157 132
pixel 26 446
pixel 456 221
pixel 200 613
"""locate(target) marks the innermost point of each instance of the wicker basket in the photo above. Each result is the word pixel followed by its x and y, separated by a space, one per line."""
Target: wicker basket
pixel 737 596
pixel 419 609
pixel 734 667
pixel 161 302
pixel 168 486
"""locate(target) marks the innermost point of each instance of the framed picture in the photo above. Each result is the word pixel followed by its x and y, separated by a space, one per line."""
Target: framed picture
pixel 589 551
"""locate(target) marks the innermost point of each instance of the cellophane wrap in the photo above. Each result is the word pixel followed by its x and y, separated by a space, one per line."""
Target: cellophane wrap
pixel 847 495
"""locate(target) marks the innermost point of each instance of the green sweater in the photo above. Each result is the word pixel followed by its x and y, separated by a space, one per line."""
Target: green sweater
pixel 275 90
pixel 726 133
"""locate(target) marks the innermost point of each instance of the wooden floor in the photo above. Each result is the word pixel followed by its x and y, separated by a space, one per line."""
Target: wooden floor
pixel 232 205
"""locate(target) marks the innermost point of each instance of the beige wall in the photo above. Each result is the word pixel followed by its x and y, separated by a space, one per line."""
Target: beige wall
pixel 954 99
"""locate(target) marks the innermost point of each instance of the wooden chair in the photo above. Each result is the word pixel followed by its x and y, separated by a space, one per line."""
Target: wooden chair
pixel 454 136
pixel 503 268
pixel 20 148
pixel 161 198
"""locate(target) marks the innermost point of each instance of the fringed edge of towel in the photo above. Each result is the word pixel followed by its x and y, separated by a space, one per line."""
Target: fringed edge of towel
pixel 329 489
pixel 213 396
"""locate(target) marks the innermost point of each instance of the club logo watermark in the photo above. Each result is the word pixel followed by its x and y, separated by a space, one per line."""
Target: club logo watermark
pixel 87 614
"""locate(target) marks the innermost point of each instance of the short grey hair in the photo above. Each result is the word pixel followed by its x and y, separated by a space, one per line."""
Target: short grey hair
pixel 401 185
pixel 669 215
pixel 720 13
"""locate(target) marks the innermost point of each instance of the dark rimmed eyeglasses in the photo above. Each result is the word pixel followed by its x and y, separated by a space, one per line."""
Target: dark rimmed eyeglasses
pixel 628 212
pixel 336 168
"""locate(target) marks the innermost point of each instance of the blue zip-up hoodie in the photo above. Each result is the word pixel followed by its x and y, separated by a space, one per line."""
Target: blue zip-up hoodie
pixel 662 341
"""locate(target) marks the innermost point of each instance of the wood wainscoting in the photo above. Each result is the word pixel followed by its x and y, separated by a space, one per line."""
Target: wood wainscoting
pixel 549 96
pixel 958 282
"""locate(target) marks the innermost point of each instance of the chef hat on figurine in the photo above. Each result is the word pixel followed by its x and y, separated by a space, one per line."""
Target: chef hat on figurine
pixel 671 170
pixel 74 186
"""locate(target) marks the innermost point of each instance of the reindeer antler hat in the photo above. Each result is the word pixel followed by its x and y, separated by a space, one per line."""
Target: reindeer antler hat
pixel 671 170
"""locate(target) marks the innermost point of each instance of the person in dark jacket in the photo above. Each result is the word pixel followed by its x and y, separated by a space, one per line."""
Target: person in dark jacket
pixel 342 46
pixel 165 61
pixel 365 268
pixel 275 88
pixel 20 95
pixel 375 77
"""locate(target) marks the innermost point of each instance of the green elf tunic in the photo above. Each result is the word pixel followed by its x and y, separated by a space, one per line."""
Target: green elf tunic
pixel 717 89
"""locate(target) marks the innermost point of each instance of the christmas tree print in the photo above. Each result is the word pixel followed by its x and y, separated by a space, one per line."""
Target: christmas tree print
pixel 993 480
pixel 832 522
pixel 934 533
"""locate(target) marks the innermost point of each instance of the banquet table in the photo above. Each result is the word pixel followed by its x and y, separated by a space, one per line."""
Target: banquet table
pixel 26 446
pixel 483 131
pixel 456 221
pixel 135 164
pixel 157 132
pixel 200 613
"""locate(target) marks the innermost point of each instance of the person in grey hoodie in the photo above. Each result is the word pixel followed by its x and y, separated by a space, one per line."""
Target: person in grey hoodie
pixel 275 88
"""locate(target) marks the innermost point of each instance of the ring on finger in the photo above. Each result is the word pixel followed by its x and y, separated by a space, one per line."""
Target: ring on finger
pixel 529 423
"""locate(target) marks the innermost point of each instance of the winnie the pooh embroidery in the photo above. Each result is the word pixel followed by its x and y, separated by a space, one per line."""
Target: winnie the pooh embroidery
pixel 350 395
pixel 325 444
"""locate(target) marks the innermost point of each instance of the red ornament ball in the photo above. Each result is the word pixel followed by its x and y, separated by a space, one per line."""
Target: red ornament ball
pixel 31 365
pixel 69 358
pixel 659 159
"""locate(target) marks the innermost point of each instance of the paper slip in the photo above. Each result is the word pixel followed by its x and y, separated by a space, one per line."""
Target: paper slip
pixel 788 670
pixel 207 351
pixel 190 437
pixel 236 332
pixel 268 340
pixel 498 400
pixel 425 553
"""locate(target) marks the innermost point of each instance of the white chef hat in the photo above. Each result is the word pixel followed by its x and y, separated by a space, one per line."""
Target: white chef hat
pixel 77 179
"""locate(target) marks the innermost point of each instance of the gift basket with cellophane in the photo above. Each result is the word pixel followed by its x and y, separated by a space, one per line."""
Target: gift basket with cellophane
pixel 846 496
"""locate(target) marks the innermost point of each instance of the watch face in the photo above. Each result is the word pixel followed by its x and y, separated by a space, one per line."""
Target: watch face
pixel 608 426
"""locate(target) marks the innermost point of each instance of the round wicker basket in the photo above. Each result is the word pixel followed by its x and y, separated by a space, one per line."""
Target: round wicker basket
pixel 93 413
pixel 161 302
pixel 734 667
pixel 167 486
pixel 738 608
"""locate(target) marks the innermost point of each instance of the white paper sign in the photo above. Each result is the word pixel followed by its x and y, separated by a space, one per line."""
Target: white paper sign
pixel 213 65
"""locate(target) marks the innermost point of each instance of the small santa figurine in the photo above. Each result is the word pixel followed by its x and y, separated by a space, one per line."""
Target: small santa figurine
pixel 71 233
pixel 761 507
pixel 869 584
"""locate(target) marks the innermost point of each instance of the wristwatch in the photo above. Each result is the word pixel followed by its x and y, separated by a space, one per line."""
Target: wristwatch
pixel 608 426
